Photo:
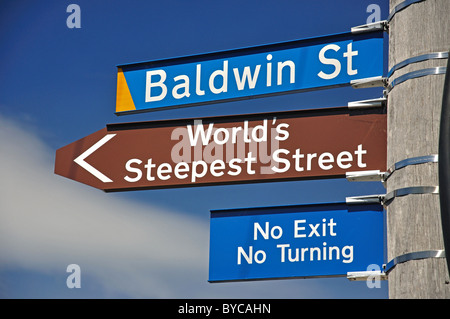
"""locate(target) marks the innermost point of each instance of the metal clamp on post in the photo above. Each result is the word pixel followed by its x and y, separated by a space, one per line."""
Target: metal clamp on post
pixel 413 256
pixel 401 6
pixel 386 199
pixel 416 74
pixel 377 176
pixel 419 58
pixel 410 161
pixel 408 191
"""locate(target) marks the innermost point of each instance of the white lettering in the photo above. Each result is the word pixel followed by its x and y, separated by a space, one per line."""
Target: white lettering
pixel 149 167
pixel 326 158
pixel 224 74
pixel 237 169
pixel 196 174
pixel 217 165
pixel 264 233
pixel 291 66
pixel 349 55
pixel 200 131
pixel 277 159
pixel 149 85
pixel 359 152
pixel 334 62
pixel 181 167
pixel 226 136
pixel 269 70
pixel 131 169
pixel 297 228
pixel 344 157
pixel 246 76
pixel 184 85
pixel 260 256
pixel 198 91
pixel 164 168
pixel 347 252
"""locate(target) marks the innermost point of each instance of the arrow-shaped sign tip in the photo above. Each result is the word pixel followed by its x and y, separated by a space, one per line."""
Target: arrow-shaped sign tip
pixel 80 160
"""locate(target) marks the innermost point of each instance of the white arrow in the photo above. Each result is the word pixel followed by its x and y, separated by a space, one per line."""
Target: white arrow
pixel 80 159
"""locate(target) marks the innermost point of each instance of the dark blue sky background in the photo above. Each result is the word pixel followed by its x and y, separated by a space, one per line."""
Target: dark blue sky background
pixel 58 85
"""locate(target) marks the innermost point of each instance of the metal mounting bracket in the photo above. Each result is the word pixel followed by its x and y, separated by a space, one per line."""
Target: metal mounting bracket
pixel 365 176
pixel 376 81
pixel 401 6
pixel 364 275
pixel 410 161
pixel 369 27
pixel 379 102
pixel 416 74
pixel 419 58
pixel 385 199
pixel 413 256
pixel 408 191
pixel 365 199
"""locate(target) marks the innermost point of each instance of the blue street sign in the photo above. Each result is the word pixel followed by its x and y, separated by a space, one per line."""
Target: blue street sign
pixel 317 240
pixel 289 67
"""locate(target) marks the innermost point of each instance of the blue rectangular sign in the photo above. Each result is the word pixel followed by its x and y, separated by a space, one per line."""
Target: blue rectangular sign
pixel 322 62
pixel 318 240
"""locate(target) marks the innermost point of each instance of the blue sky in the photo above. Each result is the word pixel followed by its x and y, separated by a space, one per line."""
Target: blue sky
pixel 58 85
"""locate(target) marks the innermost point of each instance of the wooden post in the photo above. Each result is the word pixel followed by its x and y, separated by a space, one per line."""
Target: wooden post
pixel 414 107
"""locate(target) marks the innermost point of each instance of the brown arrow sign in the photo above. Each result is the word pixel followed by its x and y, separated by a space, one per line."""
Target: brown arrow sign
pixel 263 147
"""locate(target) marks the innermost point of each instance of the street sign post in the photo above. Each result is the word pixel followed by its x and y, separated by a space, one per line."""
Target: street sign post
pixel 227 150
pixel 301 241
pixel 289 67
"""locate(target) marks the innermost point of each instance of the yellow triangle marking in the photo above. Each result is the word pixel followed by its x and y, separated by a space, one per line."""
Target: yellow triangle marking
pixel 124 101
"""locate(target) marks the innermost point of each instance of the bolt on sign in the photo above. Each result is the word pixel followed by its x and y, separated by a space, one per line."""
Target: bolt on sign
pixel 289 67
pixel 262 147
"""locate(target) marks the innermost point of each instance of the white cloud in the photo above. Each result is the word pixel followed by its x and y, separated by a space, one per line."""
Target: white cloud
pixel 47 222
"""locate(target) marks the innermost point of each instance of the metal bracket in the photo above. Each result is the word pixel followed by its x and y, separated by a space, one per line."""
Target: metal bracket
pixel 401 6
pixel 365 176
pixel 408 191
pixel 419 58
pixel 377 176
pixel 410 161
pixel 364 275
pixel 385 199
pixel 365 199
pixel 413 256
pixel 416 74
pixel 376 81
pixel 379 102
pixel 370 27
